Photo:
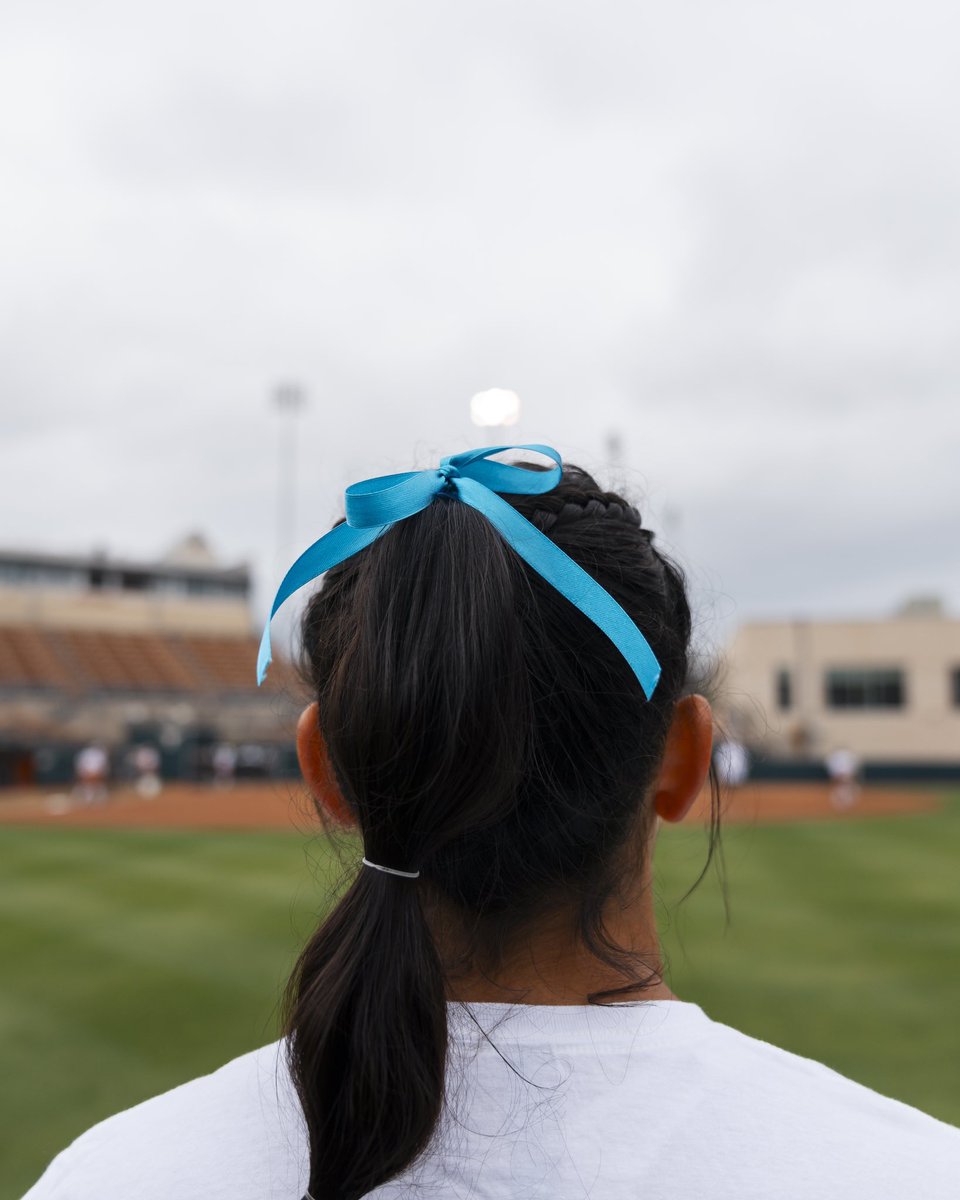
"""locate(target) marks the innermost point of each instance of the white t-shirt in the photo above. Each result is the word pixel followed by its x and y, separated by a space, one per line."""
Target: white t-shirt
pixel 648 1101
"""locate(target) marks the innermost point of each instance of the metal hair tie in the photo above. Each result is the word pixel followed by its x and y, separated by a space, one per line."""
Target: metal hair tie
pixel 373 505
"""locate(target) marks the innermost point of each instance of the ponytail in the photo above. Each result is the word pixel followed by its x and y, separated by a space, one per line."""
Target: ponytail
pixel 412 653
pixel 368 1040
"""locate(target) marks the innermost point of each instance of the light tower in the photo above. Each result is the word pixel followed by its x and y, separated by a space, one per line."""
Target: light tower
pixel 288 399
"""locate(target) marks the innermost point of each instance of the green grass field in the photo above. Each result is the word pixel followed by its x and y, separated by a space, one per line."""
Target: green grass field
pixel 133 961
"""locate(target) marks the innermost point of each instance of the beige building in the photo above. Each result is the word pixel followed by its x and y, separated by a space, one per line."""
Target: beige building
pixel 887 689
pixel 187 591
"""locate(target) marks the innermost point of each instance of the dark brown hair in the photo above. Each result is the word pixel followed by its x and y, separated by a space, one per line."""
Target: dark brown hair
pixel 486 733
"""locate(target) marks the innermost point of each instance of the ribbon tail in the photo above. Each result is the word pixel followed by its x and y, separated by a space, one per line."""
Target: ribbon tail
pixel 340 543
pixel 569 578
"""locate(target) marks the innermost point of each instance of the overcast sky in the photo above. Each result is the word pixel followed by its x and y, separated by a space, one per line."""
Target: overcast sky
pixel 729 232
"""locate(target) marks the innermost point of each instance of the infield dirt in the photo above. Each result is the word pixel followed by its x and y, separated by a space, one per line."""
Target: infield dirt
pixel 286 805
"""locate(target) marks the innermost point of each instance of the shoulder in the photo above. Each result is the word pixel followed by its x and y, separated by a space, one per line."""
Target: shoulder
pixel 832 1127
pixel 233 1133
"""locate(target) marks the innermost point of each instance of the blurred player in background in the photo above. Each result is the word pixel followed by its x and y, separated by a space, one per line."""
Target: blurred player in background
pixel 91 768
pixel 732 762
pixel 843 768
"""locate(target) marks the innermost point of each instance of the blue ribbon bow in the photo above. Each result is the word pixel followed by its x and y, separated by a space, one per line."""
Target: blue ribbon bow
pixel 373 505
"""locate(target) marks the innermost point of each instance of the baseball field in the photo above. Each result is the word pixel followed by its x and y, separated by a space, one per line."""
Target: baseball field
pixel 144 942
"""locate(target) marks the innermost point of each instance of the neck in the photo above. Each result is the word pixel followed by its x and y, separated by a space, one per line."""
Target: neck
pixel 551 965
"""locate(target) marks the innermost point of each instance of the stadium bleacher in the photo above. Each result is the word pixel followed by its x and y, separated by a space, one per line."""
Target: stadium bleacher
pixel 83 660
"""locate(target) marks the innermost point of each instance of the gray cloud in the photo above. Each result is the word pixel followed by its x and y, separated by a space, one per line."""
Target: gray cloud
pixel 729 231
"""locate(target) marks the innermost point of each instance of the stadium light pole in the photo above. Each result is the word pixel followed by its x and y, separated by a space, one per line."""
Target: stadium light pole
pixel 494 410
pixel 289 400
pixel 613 444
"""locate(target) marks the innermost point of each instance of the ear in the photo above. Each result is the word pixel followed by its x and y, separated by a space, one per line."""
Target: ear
pixel 686 759
pixel 315 767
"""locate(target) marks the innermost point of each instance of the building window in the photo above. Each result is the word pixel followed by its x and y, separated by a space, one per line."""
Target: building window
pixel 42 575
pixel 867 687
pixel 784 689
pixel 955 688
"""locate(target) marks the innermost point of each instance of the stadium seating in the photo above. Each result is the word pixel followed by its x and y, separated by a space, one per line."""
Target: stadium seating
pixel 80 661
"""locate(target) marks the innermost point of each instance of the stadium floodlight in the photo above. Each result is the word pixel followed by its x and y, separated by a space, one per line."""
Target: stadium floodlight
pixel 495 408
pixel 288 399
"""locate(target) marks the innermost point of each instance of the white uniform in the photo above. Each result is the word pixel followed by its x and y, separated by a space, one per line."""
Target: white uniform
pixel 646 1101
pixel 732 763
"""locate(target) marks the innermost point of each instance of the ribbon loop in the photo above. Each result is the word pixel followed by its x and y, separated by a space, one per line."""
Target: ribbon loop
pixel 374 505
